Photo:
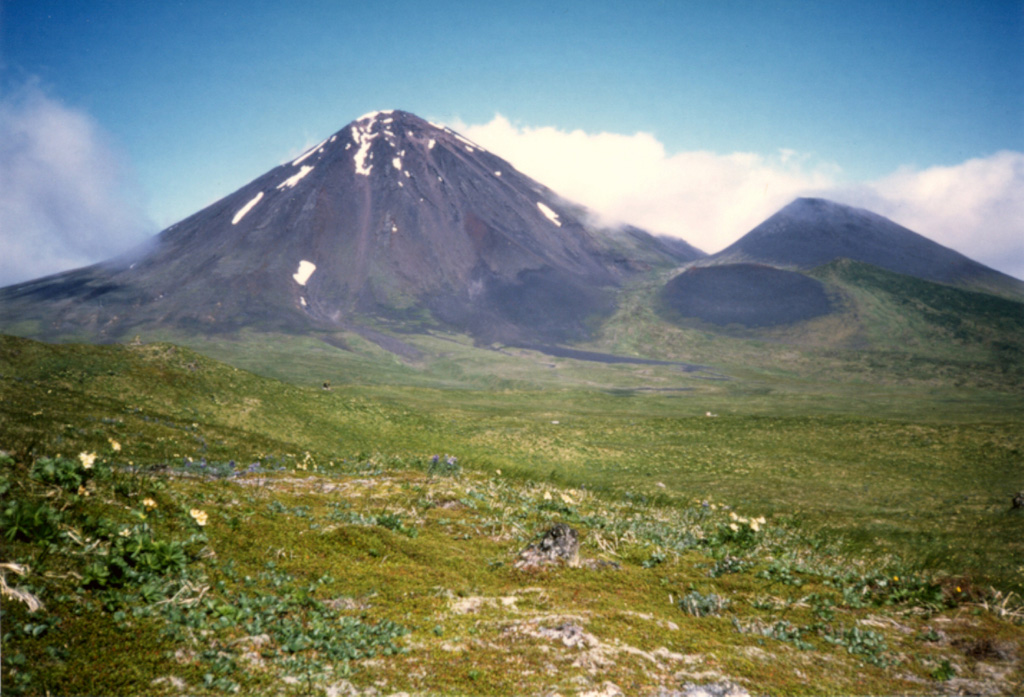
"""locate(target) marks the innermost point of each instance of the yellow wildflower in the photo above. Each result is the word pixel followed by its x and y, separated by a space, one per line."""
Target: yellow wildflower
pixel 754 525
pixel 87 460
pixel 82 491
pixel 734 527
pixel 199 516
pixel 150 504
pixel 125 533
pixel 115 446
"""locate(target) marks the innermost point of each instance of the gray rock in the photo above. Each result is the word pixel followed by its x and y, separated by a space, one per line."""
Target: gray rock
pixel 717 689
pixel 560 545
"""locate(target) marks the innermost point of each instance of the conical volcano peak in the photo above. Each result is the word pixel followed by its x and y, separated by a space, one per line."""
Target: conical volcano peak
pixel 809 232
pixel 403 133
pixel 382 139
pixel 391 216
pixel 826 212
pixel 373 115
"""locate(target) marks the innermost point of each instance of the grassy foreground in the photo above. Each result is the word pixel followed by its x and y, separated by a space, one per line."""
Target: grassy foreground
pixel 251 535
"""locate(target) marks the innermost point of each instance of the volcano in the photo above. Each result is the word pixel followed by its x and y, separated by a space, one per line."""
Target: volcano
pixel 766 278
pixel 391 218
pixel 810 232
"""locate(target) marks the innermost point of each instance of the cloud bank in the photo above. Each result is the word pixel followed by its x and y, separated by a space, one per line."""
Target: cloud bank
pixel 712 199
pixel 66 197
pixel 976 207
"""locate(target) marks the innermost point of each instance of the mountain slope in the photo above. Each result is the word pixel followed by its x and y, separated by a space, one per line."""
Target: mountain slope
pixel 751 295
pixel 809 232
pixel 891 320
pixel 906 314
pixel 389 217
pixel 767 279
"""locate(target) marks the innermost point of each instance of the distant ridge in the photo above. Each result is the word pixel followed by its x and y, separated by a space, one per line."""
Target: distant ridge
pixel 810 232
pixel 769 277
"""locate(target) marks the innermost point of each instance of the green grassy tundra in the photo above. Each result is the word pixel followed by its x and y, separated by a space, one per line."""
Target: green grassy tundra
pixel 822 521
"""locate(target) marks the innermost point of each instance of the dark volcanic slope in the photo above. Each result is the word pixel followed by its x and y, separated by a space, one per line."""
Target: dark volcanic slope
pixel 390 216
pixel 810 232
pixel 750 295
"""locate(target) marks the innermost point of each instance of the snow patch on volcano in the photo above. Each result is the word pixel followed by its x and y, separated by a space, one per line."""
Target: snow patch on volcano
pixel 470 144
pixel 363 137
pixel 551 215
pixel 291 181
pixel 309 152
pixel 246 208
pixel 306 269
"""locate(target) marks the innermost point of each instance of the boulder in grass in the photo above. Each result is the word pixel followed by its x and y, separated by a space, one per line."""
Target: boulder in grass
pixel 560 545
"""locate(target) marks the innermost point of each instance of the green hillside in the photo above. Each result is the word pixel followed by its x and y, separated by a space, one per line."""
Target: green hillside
pixel 283 538
pixel 906 314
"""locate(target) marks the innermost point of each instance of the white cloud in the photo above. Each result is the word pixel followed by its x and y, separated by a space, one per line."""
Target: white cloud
pixel 708 199
pixel 712 199
pixel 976 207
pixel 66 199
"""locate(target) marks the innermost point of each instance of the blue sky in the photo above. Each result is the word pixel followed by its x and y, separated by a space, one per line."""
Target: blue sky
pixel 695 118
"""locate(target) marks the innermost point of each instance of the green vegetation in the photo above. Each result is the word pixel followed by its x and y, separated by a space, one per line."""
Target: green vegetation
pixel 785 529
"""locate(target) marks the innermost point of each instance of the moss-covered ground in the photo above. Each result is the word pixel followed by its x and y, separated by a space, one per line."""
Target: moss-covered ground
pixel 238 534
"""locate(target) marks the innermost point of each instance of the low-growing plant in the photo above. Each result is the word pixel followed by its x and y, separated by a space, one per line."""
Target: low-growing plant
pixel 784 630
pixel 782 571
pixel 657 557
pixel 865 643
pixel 62 472
pixel 31 521
pixel 944 671
pixel 394 522
pixel 728 565
pixel 889 588
pixel 699 605
pixel 134 557
pixel 447 466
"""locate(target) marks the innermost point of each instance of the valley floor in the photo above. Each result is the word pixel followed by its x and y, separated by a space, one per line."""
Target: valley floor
pixel 255 536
